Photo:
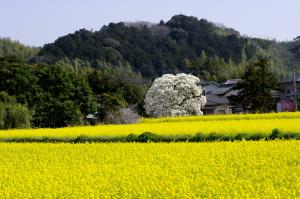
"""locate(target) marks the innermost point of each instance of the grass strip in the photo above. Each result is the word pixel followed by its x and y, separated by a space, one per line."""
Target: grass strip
pixel 151 137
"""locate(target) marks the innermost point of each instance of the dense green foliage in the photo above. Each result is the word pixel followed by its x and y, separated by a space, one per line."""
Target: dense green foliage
pixel 58 97
pixel 14 48
pixel 183 44
pixel 255 89
pixel 13 114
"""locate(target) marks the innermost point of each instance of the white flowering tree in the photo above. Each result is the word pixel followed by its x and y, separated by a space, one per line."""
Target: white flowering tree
pixel 175 95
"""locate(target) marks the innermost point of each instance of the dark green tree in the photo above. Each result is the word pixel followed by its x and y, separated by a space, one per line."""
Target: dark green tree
pixel 255 89
pixel 18 79
pixel 13 114
pixel 63 98
pixel 51 112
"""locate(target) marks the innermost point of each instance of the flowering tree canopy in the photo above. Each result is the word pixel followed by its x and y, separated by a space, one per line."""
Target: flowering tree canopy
pixel 175 95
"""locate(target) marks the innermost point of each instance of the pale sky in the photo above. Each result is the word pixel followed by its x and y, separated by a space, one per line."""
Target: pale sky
pixel 36 22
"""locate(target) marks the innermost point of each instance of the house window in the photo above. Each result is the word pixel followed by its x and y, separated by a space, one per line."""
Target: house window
pixel 288 91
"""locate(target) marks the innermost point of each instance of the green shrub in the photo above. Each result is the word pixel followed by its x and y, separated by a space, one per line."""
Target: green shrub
pixel 213 137
pixel 148 136
pixel 14 116
pixel 256 137
pixel 276 134
pixel 198 137
pixel 240 136
pixel 131 138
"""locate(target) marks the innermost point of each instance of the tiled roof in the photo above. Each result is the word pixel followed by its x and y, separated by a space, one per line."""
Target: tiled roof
pixel 213 100
pixel 221 90
pixel 209 88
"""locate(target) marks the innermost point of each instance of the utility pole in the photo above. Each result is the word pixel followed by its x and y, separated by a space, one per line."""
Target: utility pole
pixel 76 66
pixel 295 86
pixel 295 51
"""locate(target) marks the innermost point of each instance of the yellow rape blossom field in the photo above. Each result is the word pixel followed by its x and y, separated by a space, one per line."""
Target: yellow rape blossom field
pixel 229 125
pixel 246 169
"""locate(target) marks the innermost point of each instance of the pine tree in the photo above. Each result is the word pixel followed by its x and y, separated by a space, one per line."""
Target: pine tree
pixel 258 81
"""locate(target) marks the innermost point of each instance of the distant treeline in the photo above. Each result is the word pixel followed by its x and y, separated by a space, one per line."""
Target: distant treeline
pixel 182 44
pixel 53 96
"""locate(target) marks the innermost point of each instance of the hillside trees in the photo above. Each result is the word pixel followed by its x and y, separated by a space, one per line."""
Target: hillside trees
pixel 214 68
pixel 169 47
pixel 157 49
pixel 14 48
pixel 115 89
pixel 151 49
pixel 55 96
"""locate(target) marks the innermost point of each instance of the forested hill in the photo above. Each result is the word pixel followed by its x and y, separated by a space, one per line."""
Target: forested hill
pixel 182 44
pixel 56 87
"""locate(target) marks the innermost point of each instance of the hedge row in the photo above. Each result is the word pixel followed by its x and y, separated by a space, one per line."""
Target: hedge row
pixel 151 137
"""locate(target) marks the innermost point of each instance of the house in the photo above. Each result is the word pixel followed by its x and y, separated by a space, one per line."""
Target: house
pixel 286 105
pixel 288 89
pixel 217 105
pixel 217 97
pixel 287 94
